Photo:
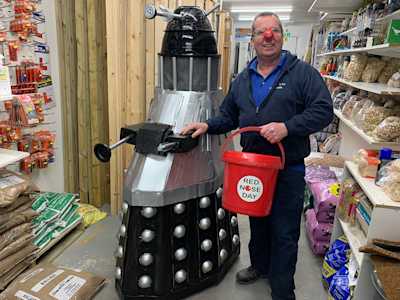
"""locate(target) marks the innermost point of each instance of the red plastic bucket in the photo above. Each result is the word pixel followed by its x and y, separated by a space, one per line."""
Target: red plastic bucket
pixel 250 179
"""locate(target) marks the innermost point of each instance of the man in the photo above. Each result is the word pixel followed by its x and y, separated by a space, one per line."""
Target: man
pixel 288 99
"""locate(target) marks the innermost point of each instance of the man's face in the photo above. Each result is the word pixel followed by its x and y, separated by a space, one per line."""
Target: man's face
pixel 267 37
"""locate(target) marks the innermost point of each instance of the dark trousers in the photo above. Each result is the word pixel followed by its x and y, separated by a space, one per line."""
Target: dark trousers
pixel 274 239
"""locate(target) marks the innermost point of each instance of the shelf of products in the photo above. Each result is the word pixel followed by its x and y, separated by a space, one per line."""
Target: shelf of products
pixel 364 136
pixel 376 88
pixel 374 193
pixel 356 239
pixel 11 156
pixel 393 16
pixel 382 50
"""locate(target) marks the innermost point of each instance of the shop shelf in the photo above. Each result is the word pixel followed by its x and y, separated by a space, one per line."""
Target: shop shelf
pixel 374 193
pixel 10 156
pixel 364 136
pixel 382 50
pixel 356 239
pixel 376 88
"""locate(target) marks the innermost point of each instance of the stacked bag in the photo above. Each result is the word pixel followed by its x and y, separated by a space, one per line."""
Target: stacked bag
pixel 338 271
pixel 17 251
pixel 324 188
pixel 57 214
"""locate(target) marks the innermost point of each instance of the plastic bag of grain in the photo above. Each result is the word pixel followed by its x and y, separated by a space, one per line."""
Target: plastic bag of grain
pixel 373 117
pixel 11 186
pixel 356 67
pixel 388 130
pixel 373 69
pixel 48 282
pixel 392 66
pixel 349 106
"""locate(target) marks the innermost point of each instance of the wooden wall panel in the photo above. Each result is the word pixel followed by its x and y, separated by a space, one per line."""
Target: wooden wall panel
pixel 116 22
pixel 151 59
pixel 65 11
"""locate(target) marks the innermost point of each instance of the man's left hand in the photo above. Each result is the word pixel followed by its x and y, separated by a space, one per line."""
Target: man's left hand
pixel 274 132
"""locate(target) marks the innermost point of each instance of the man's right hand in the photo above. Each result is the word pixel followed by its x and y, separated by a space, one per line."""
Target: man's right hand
pixel 197 129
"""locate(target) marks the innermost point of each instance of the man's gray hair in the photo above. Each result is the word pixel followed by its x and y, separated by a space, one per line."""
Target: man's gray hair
pixel 266 14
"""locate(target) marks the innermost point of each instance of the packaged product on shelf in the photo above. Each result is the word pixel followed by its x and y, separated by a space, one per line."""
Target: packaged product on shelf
pixel 320 231
pixel 390 180
pixel 336 257
pixel 14 233
pixel 325 194
pixel 368 167
pixel 11 186
pixel 349 106
pixel 394 81
pixel 339 100
pixel 357 107
pixel 347 202
pixel 392 66
pixel 356 67
pixel 373 116
pixel 387 130
pixel 339 288
pixel 358 117
pixel 373 69
pixel 66 283
pixel 331 144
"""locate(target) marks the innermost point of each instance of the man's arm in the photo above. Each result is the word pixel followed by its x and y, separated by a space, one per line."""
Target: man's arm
pixel 318 112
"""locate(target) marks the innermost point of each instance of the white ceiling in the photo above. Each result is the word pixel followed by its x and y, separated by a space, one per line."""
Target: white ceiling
pixel 300 12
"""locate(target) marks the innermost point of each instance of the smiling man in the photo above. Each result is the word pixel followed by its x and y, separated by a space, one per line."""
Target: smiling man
pixel 288 99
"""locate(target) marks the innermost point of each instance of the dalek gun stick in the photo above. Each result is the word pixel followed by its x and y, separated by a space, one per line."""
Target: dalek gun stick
pixel 176 239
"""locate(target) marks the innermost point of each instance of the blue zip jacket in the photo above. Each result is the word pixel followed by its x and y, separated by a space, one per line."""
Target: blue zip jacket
pixel 299 98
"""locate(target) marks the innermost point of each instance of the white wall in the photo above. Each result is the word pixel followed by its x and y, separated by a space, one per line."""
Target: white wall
pixel 52 178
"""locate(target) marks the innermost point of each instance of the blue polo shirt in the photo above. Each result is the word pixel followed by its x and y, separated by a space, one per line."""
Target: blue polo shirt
pixel 262 86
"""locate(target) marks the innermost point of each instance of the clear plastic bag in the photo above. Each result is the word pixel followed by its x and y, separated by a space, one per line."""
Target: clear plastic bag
pixel 372 117
pixel 373 69
pixel 358 118
pixel 392 66
pixel 11 186
pixel 349 105
pixel 387 130
pixel 357 107
pixel 356 67
pixel 394 81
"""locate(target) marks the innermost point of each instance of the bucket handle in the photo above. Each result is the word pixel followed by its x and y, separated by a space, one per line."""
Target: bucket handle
pixel 253 129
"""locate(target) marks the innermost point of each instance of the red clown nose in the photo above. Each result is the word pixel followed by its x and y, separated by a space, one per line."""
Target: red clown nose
pixel 267 34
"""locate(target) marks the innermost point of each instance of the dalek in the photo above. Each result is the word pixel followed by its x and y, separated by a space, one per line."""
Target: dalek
pixel 176 239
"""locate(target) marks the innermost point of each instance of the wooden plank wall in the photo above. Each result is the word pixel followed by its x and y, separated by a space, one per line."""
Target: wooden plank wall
pixel 133 44
pixel 68 76
pixel 224 48
pixel 83 59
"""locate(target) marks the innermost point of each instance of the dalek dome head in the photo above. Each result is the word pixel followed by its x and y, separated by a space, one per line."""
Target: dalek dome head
pixel 191 35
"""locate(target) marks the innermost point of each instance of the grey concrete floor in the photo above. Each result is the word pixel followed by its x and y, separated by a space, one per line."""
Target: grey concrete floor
pixel 92 250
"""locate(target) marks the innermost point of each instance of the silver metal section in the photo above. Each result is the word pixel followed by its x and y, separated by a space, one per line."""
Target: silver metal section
pixel 207 266
pixel 118 273
pixel 209 74
pixel 208 137
pixel 190 73
pixel 222 234
pixel 235 240
pixel 180 276
pixel 165 147
pixel 125 207
pixel 145 282
pixel 179 231
pixel 223 255
pixel 149 212
pixel 122 231
pixel 179 208
pixel 221 214
pixel 205 223
pixel 206 245
pixel 157 181
pixel 146 259
pixel 219 192
pixel 147 235
pixel 175 84
pixel 234 221
pixel 180 254
pixel 161 73
pixel 204 202
pixel 119 253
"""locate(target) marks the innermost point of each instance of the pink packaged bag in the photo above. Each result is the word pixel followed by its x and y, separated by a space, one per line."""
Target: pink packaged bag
pixel 320 231
pixel 325 216
pixel 317 247
pixel 326 195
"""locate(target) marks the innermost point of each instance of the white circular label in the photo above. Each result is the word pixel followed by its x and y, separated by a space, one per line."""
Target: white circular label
pixel 249 188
